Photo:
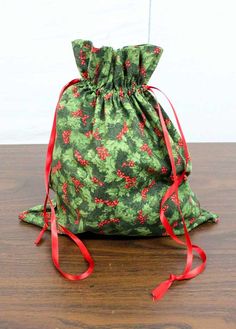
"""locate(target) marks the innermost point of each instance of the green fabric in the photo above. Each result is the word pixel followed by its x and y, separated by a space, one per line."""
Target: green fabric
pixel 110 165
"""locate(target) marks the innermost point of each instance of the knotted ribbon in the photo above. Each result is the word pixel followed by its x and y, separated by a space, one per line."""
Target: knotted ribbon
pixel 162 288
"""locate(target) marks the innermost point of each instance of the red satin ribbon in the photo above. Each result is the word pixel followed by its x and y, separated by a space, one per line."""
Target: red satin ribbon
pixel 162 288
pixel 54 233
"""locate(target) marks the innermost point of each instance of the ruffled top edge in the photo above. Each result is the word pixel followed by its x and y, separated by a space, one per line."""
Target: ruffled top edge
pixel 114 67
pixel 83 42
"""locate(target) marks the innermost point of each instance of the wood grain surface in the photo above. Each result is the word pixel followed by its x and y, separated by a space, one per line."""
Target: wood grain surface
pixel 33 295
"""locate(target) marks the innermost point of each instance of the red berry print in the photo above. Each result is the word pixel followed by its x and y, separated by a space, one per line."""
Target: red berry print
pixel 60 107
pixel 64 191
pixel 102 152
pixel 146 189
pixel 77 183
pixel 157 50
pixel 158 132
pixel 165 208
pixel 179 160
pixel 175 224
pixel 23 214
pixel 107 202
pixel 80 159
pixel 85 74
pixel 98 91
pixel 97 181
pixel 180 142
pixel 164 170
pixel 141 218
pixel 66 136
pixel 108 96
pixel 128 164
pixel 78 217
pixel 142 124
pixel 75 92
pixel 108 221
pixel 146 148
pixel 144 193
pixel 144 117
pixel 151 170
pixel 192 220
pixel 64 188
pixel 141 127
pixel 167 121
pixel 77 113
pixel 63 209
pixel 56 167
pixel 127 64
pixel 142 70
pixel 121 93
pixel 76 95
pixel 84 119
pixel 88 133
pixel 131 163
pixel 175 199
pixel 185 177
pixel 82 57
pixel 130 181
pixel 122 132
pixel 93 103
pixel 87 45
pixel 95 134
pixel 96 73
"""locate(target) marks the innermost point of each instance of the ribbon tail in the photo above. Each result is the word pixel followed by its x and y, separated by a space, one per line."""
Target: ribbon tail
pixel 53 219
pixel 159 292
pixel 77 241
pixel 41 233
pixel 49 161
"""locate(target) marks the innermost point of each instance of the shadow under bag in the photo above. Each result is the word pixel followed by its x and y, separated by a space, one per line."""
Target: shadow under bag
pixel 116 162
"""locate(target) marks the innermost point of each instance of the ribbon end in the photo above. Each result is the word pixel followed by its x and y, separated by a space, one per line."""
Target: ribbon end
pixel 41 233
pixel 36 242
pixel 159 292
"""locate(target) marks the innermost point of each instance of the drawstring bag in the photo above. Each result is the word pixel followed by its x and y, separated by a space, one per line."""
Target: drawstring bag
pixel 116 162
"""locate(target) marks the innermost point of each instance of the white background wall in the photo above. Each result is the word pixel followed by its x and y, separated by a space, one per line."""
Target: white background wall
pixel 197 69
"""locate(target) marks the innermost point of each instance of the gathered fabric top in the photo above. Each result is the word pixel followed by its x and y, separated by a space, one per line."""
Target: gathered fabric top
pixel 111 68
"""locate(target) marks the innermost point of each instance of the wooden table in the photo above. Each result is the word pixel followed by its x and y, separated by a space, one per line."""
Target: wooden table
pixel 117 295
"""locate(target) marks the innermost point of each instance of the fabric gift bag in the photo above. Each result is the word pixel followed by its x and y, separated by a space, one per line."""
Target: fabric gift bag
pixel 116 162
